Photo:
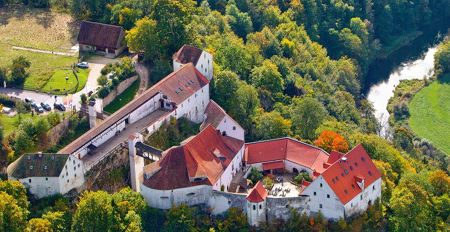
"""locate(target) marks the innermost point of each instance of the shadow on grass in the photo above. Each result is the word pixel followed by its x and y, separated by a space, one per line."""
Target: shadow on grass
pixel 44 17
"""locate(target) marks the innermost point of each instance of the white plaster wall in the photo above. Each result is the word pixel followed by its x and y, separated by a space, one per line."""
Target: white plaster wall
pixel 332 208
pixel 358 205
pixel 231 128
pixel 164 199
pixel 205 65
pixel 227 176
pixel 193 108
pixel 291 165
pixel 145 109
pixel 136 162
pixel 72 175
pixel 257 165
pixel 41 186
pixel 176 65
pixel 156 124
pixel 256 212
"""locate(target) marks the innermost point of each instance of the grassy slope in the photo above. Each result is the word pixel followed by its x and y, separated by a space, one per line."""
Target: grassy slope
pixel 126 97
pixel 430 113
pixel 11 123
pixel 58 80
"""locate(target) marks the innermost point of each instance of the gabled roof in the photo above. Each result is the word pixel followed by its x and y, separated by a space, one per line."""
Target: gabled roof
pixel 356 166
pixel 195 159
pixel 48 165
pixel 258 193
pixel 187 54
pixel 286 149
pixel 100 34
pixel 334 156
pixel 167 86
pixel 215 114
pixel 273 165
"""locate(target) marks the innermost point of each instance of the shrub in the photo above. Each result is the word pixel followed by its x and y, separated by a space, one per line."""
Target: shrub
pixel 255 176
pixel 268 183
pixel 104 91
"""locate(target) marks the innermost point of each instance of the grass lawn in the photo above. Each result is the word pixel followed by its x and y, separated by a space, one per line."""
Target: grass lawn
pixel 11 123
pixel 58 81
pixel 35 28
pixel 430 113
pixel 123 98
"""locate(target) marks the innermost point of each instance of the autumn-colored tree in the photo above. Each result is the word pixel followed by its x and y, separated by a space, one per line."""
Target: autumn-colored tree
pixel 329 140
pixel 440 182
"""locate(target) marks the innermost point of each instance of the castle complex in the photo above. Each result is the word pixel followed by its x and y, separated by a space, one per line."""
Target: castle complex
pixel 210 169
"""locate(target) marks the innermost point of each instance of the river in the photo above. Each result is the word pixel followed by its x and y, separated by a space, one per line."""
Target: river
pixel 409 62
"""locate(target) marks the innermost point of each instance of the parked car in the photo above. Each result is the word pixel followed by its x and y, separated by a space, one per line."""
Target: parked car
pixel 33 105
pixel 111 75
pixel 83 65
pixel 59 106
pixel 46 106
pixel 39 110
pixel 28 100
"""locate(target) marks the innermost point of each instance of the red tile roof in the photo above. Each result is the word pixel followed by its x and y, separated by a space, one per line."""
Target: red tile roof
pixel 193 160
pixel 99 34
pixel 273 165
pixel 334 156
pixel 168 85
pixel 215 115
pixel 187 54
pixel 345 186
pixel 287 149
pixel 258 193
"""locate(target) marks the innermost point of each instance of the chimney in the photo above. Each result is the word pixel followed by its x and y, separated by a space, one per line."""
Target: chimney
pixel 92 114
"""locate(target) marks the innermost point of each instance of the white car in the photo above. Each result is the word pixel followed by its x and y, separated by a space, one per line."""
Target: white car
pixel 83 65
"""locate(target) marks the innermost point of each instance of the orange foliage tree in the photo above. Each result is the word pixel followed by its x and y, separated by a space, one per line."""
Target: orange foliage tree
pixel 329 140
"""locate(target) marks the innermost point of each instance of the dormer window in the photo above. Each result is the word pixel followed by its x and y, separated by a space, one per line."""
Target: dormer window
pixel 345 170
pixel 362 158
pixel 356 164
pixel 370 173
pixel 351 168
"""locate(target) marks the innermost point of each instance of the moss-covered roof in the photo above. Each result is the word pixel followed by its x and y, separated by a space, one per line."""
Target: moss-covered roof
pixel 31 165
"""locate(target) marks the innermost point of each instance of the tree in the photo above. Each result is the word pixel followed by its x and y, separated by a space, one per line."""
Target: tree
pixel 20 108
pixel 40 225
pixel 239 21
pixel 102 81
pixel 128 17
pixel 28 127
pixel 12 217
pixel 94 212
pixel 442 59
pixel 144 37
pixel 57 220
pixel 83 98
pixel 235 220
pixel 18 192
pixel 180 218
pixel 18 70
pixel 329 140
pixel 255 176
pixel 225 86
pixel 54 118
pixel 245 104
pixel 307 114
pixel 267 77
pixel 440 182
pixel 272 125
pixel 22 142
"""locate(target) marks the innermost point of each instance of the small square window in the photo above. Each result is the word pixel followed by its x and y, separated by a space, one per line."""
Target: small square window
pixel 356 164
pixel 351 168
pixel 315 193
pixel 346 192
pixel 67 180
pixel 337 178
pixel 334 181
pixel 321 185
pixel 370 173
pixel 342 174
pixel 328 195
pixel 75 175
pixel 78 165
pixel 29 180
pixel 373 187
pixel 320 206
pixel 345 170
pixel 361 196
pixel 353 186
pixel 234 127
pixel 46 178
pixel 362 158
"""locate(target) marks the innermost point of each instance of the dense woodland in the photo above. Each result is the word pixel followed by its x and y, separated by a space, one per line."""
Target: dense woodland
pixel 282 68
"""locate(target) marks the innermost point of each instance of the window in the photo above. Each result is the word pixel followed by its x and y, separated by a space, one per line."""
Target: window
pixel 75 175
pixel 346 192
pixel 370 173
pixel 260 206
pixel 69 158
pixel 328 195
pixel 373 187
pixel 73 161
pixel 356 164
pixel 334 181
pixel 29 180
pixel 320 206
pixel 351 168
pixel 342 174
pixel 315 193
pixel 62 176
pixel 321 185
pixel 46 178
pixel 202 90
pixel 234 127
pixel 362 158
pixel 254 207
pixel 74 168
pixel 351 205
pixel 345 170
pixel 67 180
pixel 353 186
pixel 337 178
pixel 202 65
pixel 361 196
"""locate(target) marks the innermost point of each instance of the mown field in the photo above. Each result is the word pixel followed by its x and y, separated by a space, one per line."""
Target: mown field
pixel 123 98
pixel 430 113
pixel 38 29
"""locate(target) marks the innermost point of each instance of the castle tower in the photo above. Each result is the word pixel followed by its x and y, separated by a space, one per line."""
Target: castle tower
pixel 136 162
pixel 256 205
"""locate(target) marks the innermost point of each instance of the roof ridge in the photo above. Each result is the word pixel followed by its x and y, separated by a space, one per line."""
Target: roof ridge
pixel 109 25
pixel 309 145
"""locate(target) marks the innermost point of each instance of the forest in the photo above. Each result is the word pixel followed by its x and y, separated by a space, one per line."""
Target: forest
pixel 288 68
